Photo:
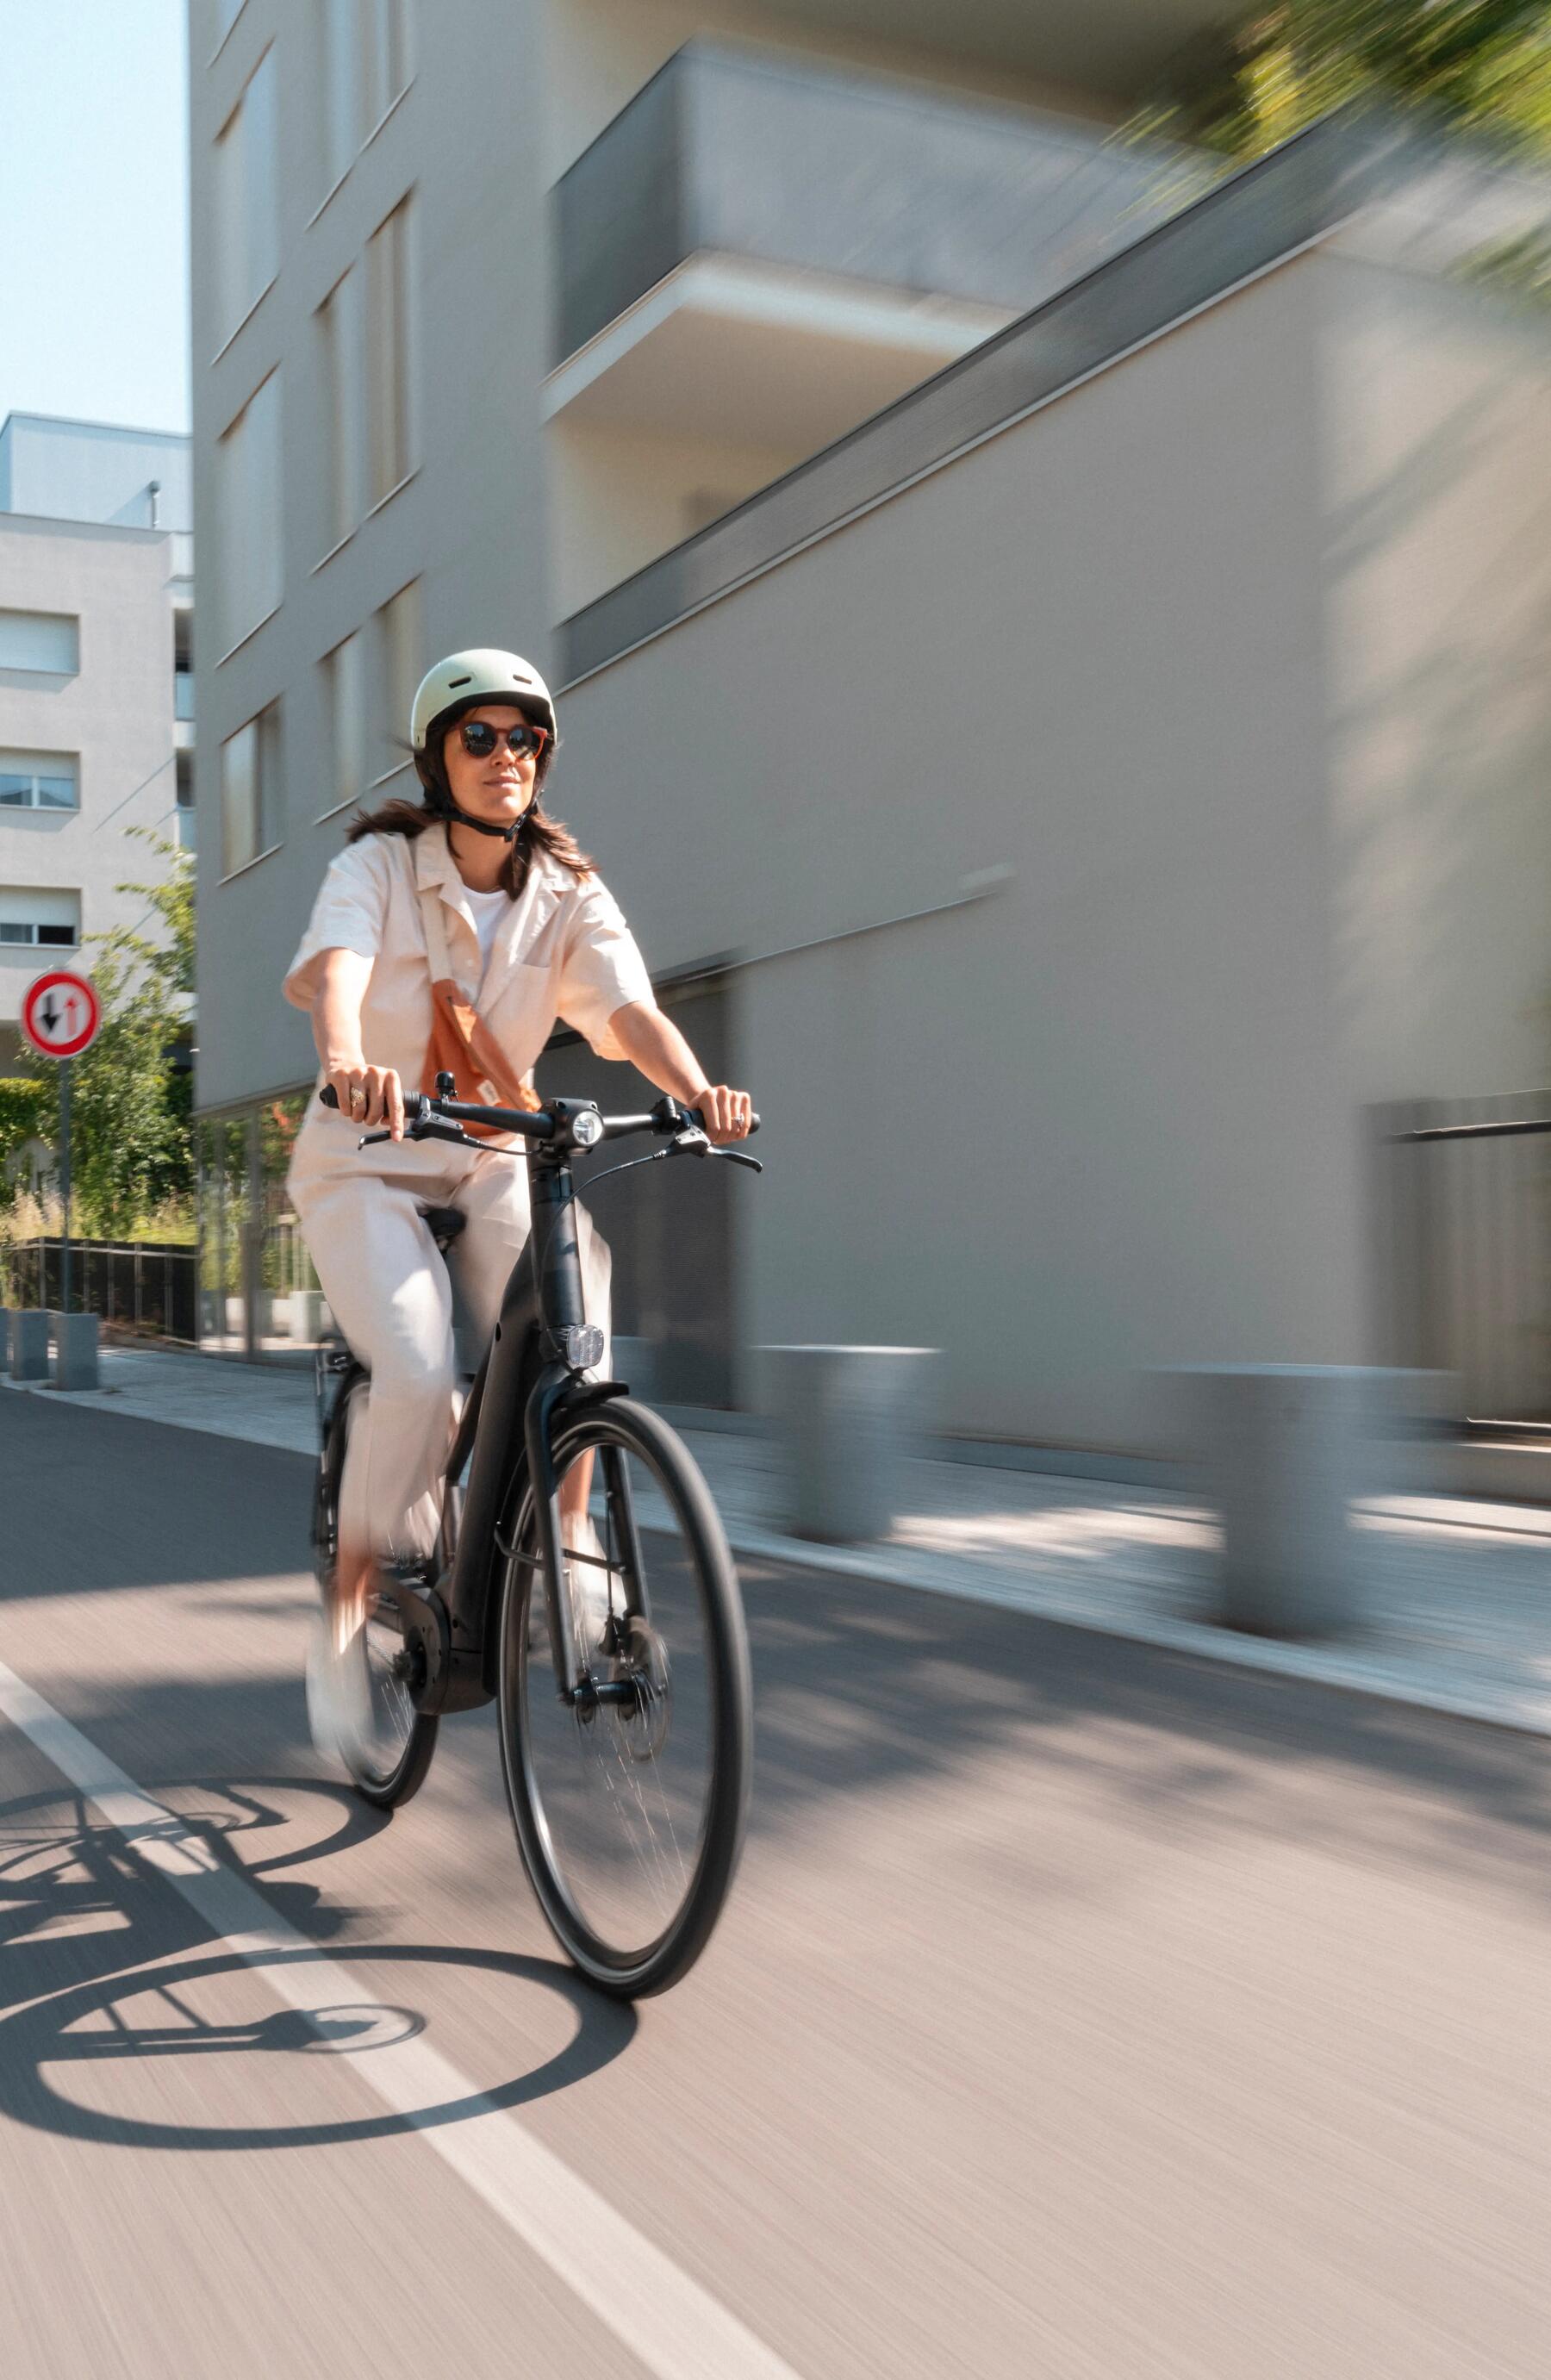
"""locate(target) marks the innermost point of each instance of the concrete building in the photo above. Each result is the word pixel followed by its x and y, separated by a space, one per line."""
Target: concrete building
pixel 1054 674
pixel 96 682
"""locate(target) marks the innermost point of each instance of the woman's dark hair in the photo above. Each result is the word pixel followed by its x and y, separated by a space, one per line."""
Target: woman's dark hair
pixel 538 830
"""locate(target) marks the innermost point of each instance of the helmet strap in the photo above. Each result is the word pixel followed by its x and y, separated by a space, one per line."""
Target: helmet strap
pixel 446 808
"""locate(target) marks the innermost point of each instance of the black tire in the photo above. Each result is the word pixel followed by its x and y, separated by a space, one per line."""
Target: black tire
pixel 390 1777
pixel 628 1752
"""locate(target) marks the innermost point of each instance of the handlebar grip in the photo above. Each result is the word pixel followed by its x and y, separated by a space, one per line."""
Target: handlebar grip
pixel 697 1117
pixel 415 1102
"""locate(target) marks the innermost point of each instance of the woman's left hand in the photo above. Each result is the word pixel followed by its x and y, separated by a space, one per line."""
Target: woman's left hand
pixel 727 1112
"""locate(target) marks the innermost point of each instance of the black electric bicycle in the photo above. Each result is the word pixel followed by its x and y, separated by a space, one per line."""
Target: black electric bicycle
pixel 613 1646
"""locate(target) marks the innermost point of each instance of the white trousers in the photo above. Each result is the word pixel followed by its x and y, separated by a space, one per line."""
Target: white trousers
pixel 388 1288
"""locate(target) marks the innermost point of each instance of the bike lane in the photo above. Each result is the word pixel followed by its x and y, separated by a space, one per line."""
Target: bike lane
pixel 1076 2010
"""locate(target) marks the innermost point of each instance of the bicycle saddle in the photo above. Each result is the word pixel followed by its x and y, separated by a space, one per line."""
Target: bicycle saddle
pixel 444 1223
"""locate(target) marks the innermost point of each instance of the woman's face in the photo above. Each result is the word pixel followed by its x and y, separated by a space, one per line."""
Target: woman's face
pixel 499 784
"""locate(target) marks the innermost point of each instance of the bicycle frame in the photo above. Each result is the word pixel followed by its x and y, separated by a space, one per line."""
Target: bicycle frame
pixel 525 1384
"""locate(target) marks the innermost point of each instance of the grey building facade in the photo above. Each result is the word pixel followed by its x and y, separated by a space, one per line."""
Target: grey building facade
pixel 1029 780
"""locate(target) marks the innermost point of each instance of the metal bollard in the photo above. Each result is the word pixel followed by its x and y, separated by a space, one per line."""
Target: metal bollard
pixel 846 1421
pixel 28 1344
pixel 1283 1449
pixel 75 1350
pixel 304 1317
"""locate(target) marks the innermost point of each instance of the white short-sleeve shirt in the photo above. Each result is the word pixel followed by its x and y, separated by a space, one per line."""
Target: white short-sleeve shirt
pixel 561 952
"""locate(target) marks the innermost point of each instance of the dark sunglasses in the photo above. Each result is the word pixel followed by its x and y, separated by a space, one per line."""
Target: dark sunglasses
pixel 480 738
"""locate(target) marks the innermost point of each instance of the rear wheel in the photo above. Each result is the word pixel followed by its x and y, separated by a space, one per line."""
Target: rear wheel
pixel 629 1805
pixel 388 1759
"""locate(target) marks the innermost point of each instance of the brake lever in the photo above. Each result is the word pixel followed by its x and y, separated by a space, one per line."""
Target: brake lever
pixel 694 1143
pixel 425 1128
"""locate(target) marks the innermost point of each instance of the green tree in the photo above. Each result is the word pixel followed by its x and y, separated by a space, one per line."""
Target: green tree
pixel 132 1134
pixel 1465 65
pixel 27 1113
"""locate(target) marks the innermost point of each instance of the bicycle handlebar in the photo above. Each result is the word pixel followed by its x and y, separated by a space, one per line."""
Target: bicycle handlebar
pixel 543 1123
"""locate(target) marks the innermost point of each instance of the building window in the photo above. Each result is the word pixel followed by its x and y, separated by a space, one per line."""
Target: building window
pixel 365 69
pixel 250 791
pixel 248 493
pixel 47 643
pixel 399 667
pixel 37 781
pixel 389 424
pixel 247 202
pixel 345 681
pixel 341 336
pixel 32 918
pixel 183 814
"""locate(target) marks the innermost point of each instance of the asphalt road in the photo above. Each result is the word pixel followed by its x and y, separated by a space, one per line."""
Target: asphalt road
pixel 1081 2009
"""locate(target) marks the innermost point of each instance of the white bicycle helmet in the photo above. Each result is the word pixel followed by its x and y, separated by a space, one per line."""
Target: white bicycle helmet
pixel 465 680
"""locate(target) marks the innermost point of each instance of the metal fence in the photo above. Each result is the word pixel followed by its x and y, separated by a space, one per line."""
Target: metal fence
pixel 146 1292
pixel 1463 1252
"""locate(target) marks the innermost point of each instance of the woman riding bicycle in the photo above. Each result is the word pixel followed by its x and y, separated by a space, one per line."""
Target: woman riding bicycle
pixel 452 932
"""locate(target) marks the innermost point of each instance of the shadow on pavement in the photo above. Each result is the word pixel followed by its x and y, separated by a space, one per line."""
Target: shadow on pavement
pixel 105 1964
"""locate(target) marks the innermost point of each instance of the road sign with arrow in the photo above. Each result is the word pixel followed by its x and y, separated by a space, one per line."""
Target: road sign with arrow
pixel 61 1013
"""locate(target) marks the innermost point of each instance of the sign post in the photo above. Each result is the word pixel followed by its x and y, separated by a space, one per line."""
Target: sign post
pixel 65 1064
pixel 60 1015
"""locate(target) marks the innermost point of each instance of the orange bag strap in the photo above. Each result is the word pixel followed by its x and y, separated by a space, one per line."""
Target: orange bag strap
pixel 460 1042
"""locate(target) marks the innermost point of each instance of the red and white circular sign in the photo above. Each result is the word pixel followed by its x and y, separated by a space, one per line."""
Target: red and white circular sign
pixel 60 1013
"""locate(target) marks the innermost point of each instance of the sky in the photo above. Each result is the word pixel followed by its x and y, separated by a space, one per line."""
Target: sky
pixel 95 210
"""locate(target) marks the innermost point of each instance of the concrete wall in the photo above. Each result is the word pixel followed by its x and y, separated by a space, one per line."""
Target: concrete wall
pixel 1235 657
pixel 1435 425
pixel 116 713
pixel 1093 1123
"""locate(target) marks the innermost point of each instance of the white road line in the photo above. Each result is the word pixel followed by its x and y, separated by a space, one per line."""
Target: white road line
pixel 674 2328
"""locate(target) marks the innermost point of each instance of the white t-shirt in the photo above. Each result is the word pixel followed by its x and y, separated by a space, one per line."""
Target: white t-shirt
pixel 488 908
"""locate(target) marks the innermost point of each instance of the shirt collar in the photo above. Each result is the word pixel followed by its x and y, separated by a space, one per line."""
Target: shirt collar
pixel 435 868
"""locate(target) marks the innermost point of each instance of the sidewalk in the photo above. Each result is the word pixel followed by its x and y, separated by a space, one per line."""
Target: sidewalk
pixel 1459 1615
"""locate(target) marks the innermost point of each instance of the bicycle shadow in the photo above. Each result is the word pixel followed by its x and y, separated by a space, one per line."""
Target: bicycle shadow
pixel 105 1966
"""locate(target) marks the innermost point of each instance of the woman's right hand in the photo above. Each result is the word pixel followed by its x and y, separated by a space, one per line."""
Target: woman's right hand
pixel 369 1096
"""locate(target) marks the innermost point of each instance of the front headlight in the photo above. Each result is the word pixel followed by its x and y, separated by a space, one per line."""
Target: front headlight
pixel 587 1129
pixel 581 1344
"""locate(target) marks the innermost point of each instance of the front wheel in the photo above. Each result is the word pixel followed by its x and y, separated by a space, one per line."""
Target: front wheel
pixel 629 1805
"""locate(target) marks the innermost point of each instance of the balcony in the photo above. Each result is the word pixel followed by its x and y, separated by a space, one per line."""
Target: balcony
pixel 757 255
pixel 823 171
pixel 1344 172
